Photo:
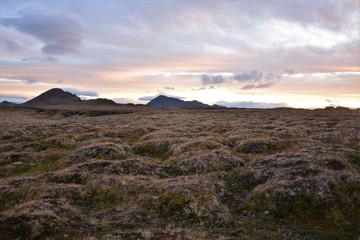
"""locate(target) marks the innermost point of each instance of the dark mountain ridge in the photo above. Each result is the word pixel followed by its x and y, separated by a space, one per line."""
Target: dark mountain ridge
pixel 57 96
pixel 171 102
pixel 99 101
pixel 7 103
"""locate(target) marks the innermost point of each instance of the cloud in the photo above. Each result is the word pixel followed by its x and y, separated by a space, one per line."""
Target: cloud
pixel 123 100
pixel 81 93
pixel 252 79
pixel 20 79
pixel 203 88
pixel 269 76
pixel 30 80
pixel 149 98
pixel 14 98
pixel 61 34
pixel 289 71
pixel 248 76
pixel 212 79
pixel 169 88
pixel 251 104
pixel 9 45
pixel 257 85
pixel 332 103
pixel 255 79
pixel 40 59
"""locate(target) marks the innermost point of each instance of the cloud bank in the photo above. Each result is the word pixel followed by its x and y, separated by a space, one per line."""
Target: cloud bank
pixel 21 79
pixel 81 93
pixel 14 98
pixel 9 45
pixel 149 98
pixel 251 79
pixel 251 104
pixel 255 79
pixel 212 79
pixel 61 34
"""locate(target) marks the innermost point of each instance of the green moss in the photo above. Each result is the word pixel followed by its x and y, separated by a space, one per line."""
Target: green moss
pixel 6 137
pixel 237 185
pixel 97 199
pixel 172 206
pixel 157 149
pixel 28 166
pixel 354 159
pixel 209 144
pixel 338 214
pixel 7 148
pixel 50 229
pixel 75 178
pixel 257 146
pixel 103 197
pixel 170 171
pixel 132 135
pixel 202 144
pixel 22 165
pixel 10 198
pixel 49 144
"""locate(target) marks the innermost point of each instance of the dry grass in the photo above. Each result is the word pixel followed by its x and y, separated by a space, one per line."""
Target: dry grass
pixel 137 173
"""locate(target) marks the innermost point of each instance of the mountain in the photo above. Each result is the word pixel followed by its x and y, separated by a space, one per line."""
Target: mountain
pixel 7 103
pixel 55 96
pixel 99 101
pixel 215 106
pixel 170 102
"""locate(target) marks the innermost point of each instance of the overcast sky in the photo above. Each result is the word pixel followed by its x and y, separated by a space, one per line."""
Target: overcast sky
pixel 303 53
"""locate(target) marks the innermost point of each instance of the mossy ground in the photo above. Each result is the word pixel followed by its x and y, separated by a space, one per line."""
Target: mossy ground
pixel 180 174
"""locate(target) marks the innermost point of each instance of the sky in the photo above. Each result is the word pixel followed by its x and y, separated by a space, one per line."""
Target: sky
pixel 238 53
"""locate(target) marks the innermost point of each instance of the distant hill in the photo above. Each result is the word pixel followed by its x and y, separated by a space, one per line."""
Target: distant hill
pixel 99 101
pixel 215 106
pixel 55 96
pixel 170 102
pixel 7 103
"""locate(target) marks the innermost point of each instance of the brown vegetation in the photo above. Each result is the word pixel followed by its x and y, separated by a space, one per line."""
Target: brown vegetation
pixel 136 173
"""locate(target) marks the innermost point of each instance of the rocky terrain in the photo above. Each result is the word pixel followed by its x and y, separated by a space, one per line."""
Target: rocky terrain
pixel 137 173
